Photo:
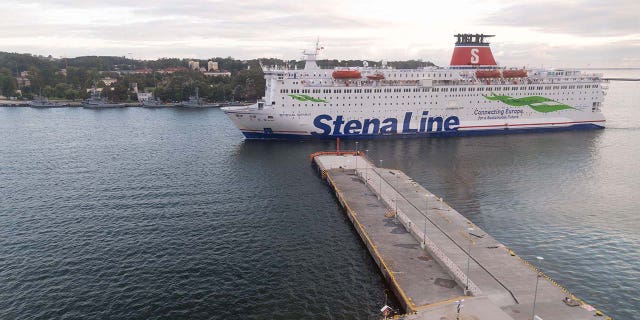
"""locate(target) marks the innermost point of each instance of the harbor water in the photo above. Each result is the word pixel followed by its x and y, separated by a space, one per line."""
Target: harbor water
pixel 170 214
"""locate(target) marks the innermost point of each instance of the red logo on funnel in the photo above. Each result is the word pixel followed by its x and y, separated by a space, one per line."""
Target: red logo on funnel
pixel 472 50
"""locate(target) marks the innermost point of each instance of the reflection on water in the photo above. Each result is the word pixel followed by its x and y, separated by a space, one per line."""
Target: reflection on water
pixel 138 213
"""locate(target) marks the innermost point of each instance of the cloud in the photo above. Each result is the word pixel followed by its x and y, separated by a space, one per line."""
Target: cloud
pixel 537 54
pixel 584 18
pixel 376 30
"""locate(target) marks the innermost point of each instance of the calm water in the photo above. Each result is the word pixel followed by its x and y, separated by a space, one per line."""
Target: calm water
pixel 170 214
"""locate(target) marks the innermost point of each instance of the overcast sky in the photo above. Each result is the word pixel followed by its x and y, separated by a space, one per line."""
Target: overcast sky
pixel 565 33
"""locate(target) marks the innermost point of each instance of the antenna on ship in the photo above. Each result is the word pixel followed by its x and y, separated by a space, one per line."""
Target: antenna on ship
pixel 310 57
pixel 318 47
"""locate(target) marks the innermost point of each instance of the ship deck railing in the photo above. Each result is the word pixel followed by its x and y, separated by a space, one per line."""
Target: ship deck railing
pixel 450 82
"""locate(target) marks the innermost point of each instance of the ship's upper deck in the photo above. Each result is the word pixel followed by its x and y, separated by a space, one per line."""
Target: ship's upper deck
pixel 430 76
pixel 472 63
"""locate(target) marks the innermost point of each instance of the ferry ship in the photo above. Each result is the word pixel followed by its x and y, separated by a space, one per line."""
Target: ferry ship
pixel 473 95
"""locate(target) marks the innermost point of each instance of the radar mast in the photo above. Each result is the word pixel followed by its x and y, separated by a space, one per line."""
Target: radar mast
pixel 311 57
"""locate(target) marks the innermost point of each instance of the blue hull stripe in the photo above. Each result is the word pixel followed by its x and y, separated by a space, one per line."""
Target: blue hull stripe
pixel 461 133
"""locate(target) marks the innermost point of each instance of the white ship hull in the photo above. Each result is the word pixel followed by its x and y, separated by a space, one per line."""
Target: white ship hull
pixel 267 124
pixel 463 99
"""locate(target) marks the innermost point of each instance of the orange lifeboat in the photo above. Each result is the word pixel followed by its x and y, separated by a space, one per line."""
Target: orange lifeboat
pixel 514 73
pixel 488 74
pixel 347 74
pixel 377 76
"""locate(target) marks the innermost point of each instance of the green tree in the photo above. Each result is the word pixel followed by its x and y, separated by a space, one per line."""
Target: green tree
pixel 238 92
pixel 8 83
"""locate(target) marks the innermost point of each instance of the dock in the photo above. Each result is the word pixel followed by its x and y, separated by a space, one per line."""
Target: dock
pixel 438 263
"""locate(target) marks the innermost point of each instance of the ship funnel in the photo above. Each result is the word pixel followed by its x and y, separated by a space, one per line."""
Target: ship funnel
pixel 471 50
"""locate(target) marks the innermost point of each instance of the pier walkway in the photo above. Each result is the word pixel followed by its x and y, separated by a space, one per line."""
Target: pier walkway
pixel 434 258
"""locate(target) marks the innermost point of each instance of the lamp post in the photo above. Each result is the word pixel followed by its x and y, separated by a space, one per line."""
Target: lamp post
pixel 395 211
pixel 426 209
pixel 380 175
pixel 356 158
pixel 366 173
pixel 466 289
pixel 459 308
pixel 535 295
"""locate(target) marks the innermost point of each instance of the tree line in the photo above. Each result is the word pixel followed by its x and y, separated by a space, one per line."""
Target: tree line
pixel 70 78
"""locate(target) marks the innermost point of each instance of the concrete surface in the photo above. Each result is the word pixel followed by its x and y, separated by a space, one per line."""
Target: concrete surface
pixel 506 283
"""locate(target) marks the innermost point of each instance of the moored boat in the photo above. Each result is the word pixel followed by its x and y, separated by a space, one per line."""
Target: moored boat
pixel 42 102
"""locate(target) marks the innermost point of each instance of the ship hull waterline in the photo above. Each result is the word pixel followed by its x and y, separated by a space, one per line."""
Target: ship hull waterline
pixel 307 131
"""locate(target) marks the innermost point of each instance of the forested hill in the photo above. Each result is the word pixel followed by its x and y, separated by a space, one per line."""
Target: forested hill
pixel 69 78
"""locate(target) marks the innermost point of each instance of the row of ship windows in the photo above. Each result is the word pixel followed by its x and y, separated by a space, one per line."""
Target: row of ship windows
pixel 507 88
pixel 399 75
pixel 379 104
pixel 431 96
pixel 385 104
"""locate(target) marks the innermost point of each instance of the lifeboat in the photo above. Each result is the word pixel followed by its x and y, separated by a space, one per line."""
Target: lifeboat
pixel 347 74
pixel 488 74
pixel 377 76
pixel 514 73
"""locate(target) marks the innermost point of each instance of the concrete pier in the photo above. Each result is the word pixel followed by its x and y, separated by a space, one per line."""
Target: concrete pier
pixel 433 258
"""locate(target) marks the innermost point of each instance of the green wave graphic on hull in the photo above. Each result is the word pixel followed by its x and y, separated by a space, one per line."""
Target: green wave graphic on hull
pixel 304 97
pixel 537 103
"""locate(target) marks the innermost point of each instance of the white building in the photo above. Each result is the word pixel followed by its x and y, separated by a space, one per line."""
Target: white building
pixel 145 96
pixel 217 74
pixel 212 66
pixel 194 65
pixel 108 81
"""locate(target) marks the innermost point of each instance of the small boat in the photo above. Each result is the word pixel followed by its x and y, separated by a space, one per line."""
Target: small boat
pixel 100 103
pixel 96 102
pixel 196 102
pixel 42 102
pixel 514 73
pixel 488 74
pixel 377 76
pixel 192 102
pixel 152 103
pixel 347 74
